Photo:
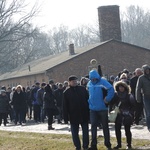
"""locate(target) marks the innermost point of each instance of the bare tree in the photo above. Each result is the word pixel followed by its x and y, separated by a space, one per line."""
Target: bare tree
pixel 136 26
pixel 59 38
pixel 83 36
pixel 13 21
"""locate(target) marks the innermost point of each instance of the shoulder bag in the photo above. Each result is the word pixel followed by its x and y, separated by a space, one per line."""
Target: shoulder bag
pixel 113 114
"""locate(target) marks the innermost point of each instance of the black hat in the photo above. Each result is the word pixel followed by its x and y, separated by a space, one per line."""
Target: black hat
pixel 72 77
pixel 43 84
pixel 37 83
pixel 51 81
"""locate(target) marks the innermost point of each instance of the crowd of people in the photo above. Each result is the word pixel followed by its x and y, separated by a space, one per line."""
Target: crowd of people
pixel 83 102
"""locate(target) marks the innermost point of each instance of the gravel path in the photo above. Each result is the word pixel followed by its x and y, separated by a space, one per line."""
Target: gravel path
pixel 138 131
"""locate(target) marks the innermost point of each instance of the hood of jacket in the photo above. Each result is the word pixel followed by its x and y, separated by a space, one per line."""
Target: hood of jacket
pixel 124 84
pixel 93 74
pixel 145 67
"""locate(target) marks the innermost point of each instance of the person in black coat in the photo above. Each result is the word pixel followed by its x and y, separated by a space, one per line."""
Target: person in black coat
pixel 76 110
pixel 138 106
pixel 29 102
pixel 19 104
pixel 126 101
pixel 59 98
pixel 49 105
pixel 4 107
pixel 40 94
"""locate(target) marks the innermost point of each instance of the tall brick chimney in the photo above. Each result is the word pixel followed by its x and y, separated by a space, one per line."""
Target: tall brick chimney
pixel 71 49
pixel 109 23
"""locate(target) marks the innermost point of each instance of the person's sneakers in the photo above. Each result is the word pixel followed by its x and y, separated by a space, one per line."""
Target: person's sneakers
pixel 117 147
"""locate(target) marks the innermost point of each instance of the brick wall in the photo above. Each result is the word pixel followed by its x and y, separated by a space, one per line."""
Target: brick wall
pixel 113 58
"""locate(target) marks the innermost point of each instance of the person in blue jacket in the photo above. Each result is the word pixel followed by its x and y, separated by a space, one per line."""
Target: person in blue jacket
pixel 98 105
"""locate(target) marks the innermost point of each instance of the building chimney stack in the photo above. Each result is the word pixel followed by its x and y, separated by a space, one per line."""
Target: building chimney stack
pixel 109 23
pixel 71 49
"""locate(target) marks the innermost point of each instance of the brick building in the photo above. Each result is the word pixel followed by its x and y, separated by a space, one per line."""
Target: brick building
pixel 112 54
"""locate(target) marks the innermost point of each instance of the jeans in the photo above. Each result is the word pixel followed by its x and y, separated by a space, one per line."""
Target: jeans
pixel 42 114
pixel 18 115
pixel 95 118
pixel 146 102
pixel 59 117
pixel 75 135
pixel 12 114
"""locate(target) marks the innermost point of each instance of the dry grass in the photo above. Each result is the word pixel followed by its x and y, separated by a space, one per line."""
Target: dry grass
pixel 39 141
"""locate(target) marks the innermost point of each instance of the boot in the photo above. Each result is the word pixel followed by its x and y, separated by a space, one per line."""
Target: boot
pixel 117 147
pixel 59 121
pixel 50 127
pixel 129 147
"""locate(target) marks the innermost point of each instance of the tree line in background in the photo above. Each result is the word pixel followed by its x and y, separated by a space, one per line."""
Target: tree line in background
pixel 21 43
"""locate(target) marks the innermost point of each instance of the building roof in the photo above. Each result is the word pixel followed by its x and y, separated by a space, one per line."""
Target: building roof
pixel 43 64
pixel 46 63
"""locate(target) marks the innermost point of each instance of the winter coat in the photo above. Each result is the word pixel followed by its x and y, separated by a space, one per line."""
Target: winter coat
pixel 48 100
pixel 96 98
pixel 143 84
pixel 40 94
pixel 59 96
pixel 18 100
pixel 34 96
pixel 4 104
pixel 75 105
pixel 127 102
pixel 133 82
pixel 29 101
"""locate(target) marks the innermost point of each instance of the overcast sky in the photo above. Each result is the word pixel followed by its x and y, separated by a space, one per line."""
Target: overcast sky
pixel 73 13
